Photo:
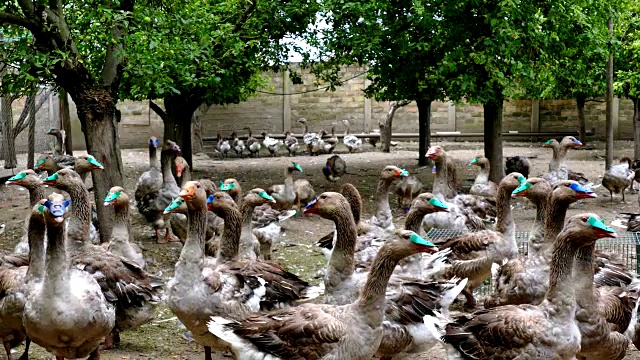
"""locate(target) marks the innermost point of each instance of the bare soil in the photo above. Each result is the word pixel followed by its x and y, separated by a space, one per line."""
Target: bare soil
pixel 162 339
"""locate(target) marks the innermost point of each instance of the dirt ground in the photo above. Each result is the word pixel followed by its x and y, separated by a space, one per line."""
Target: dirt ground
pixel 162 339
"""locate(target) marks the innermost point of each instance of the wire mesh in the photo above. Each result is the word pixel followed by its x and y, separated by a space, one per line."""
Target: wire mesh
pixel 626 247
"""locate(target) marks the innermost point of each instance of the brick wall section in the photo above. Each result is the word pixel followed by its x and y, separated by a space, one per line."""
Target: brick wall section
pixel 265 112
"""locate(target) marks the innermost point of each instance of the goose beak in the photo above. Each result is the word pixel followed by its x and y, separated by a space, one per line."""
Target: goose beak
pixel 187 192
pixel 179 170
pixel 312 207
pixel 431 153
pixel 603 234
pixel 587 195
pixel 51 180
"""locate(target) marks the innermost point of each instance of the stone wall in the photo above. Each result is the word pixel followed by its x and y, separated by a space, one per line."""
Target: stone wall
pixel 274 112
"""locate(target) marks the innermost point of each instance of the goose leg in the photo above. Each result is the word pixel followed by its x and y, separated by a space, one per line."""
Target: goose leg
pixel 59 357
pixel 611 193
pixel 471 301
pixel 25 354
pixel 207 353
pixel 623 196
pixel 7 349
pixel 95 355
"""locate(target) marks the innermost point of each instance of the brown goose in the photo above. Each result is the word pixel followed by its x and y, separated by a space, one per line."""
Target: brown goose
pixel 558 169
pixel 121 242
pixel 285 194
pixel 482 186
pixel 253 145
pixel 406 189
pixel 445 182
pixel 545 331
pixel 29 180
pixel 315 331
pixel 525 280
pixel 132 290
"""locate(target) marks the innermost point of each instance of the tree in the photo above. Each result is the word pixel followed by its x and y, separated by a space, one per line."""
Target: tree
pixel 195 52
pixel 77 46
pixel 627 63
pixel 397 40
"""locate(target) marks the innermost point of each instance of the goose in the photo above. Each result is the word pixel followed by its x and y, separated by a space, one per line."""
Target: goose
pixel 304 193
pixel 271 144
pixel 330 143
pixel 445 182
pixel 132 290
pixel 545 331
pixel 519 164
pixel 558 169
pixel 291 142
pixel 151 180
pixel 314 331
pixel 29 180
pixel 525 280
pixel 473 254
pixel 383 218
pixel 334 168
pixel 237 145
pixel 153 203
pixel 318 145
pixel 253 145
pixel 223 146
pixel 16 282
pixel 183 171
pixel 408 299
pixel 204 286
pixel 405 190
pixel 85 164
pixel 352 142
pixel 482 186
pixel 58 148
pixel 635 165
pixel 52 163
pixel 309 139
pixel 67 314
pixel 285 194
pixel 618 178
pixel 121 241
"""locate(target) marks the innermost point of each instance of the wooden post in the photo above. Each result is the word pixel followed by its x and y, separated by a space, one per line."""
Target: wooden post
pixel 535 118
pixel 451 121
pixel 609 144
pixel 367 109
pixel 286 102
pixel 615 117
pixel 65 118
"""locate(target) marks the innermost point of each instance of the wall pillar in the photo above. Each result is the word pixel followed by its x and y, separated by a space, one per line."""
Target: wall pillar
pixel 451 121
pixel 535 118
pixel 286 102
pixel 367 109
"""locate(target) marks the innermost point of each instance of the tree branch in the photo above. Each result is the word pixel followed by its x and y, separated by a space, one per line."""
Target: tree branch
pixel 245 16
pixel 22 124
pixel 158 110
pixel 15 20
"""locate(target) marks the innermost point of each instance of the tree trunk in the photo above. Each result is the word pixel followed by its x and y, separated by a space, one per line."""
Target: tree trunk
pixel 580 101
pixel 386 127
pixel 197 133
pixel 609 117
pixel 65 119
pixel 177 121
pixel 493 138
pixel 96 111
pixel 8 145
pixel 424 130
pixel 636 128
pixel 32 140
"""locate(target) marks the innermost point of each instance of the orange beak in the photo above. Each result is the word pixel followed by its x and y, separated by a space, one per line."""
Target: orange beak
pixel 187 192
pixel 179 170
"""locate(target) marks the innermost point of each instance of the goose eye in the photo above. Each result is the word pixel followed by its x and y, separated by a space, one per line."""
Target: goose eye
pixel 584 218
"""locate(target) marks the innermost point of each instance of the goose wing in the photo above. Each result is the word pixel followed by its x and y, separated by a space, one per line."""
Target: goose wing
pixel 616 305
pixel 467 246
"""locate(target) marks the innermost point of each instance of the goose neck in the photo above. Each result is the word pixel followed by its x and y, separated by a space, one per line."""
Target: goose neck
pixel 122 218
pixel 554 220
pixel 167 175
pixel 186 176
pixel 382 196
pixel 483 175
pixel 583 276
pixel 505 218
pixel 341 263
pixel 56 264
pixel 80 212
pixel 230 241
pixel 536 236
pixel 247 242
pixel 561 288
pixel 193 248
pixel 36 238
pixel 413 221
pixel 153 157
pixel 36 193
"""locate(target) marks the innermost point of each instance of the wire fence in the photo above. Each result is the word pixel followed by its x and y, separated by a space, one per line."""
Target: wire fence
pixel 626 246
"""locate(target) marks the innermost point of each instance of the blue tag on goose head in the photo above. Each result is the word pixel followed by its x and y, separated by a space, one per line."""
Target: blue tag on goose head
pixel 53 178
pixel 599 224
pixel 311 203
pixel 522 179
pixel 579 188
pixel 210 199
pixel 548 142
pixel 417 239
pixel 403 172
pixel 576 141
pixel 57 209
pixel 264 195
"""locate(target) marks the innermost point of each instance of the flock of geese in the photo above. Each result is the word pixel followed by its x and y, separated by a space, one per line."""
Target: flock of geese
pixel 386 291
pixel 314 143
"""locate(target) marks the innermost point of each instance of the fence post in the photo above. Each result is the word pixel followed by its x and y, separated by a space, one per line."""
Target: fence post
pixel 286 102
pixel 367 109
pixel 451 121
pixel 535 118
pixel 616 110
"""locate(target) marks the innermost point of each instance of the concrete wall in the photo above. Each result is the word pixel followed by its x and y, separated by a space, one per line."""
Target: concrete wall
pixel 275 113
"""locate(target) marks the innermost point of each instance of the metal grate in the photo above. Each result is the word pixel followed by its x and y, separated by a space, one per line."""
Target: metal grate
pixel 626 246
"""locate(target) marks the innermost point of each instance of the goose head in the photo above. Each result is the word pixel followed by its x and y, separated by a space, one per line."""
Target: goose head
pixel 54 132
pixel 46 163
pixel 345 122
pixel 302 121
pixel 116 197
pixel 37 211
pixel 569 191
pixel 407 242
pixel 428 203
pixel 27 179
pixel 551 143
pixel 294 166
pixel 64 179
pixel 171 147
pixel 154 142
pixel 436 152
pixel 512 181
pixel 220 201
pixel 86 163
pixel 391 173
pixel 570 142
pixel 479 161
pixel 181 165
pixel 534 189
pixel 586 228
pixel 232 187
pixel 329 205
pixel 193 194
pixel 55 208
pixel 257 197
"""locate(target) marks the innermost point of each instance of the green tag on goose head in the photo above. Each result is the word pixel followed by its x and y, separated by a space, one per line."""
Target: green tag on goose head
pixel 599 224
pixel 19 176
pixel 473 161
pixel 94 162
pixel 417 239
pixel 435 202
pixel 112 196
pixel 176 203
pixel 51 179
pixel 227 187
pixel 41 162
pixel 297 166
pixel 41 209
pixel 522 189
pixel 548 142
pixel 403 172
pixel 264 195
pixel 521 178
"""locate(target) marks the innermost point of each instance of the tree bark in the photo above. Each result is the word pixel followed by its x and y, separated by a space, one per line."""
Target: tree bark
pixel 386 127
pixel 609 117
pixel 424 130
pixel 32 140
pixel 177 117
pixel 493 138
pixel 96 111
pixel 196 131
pixel 8 146
pixel 636 128
pixel 580 101
pixel 65 119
